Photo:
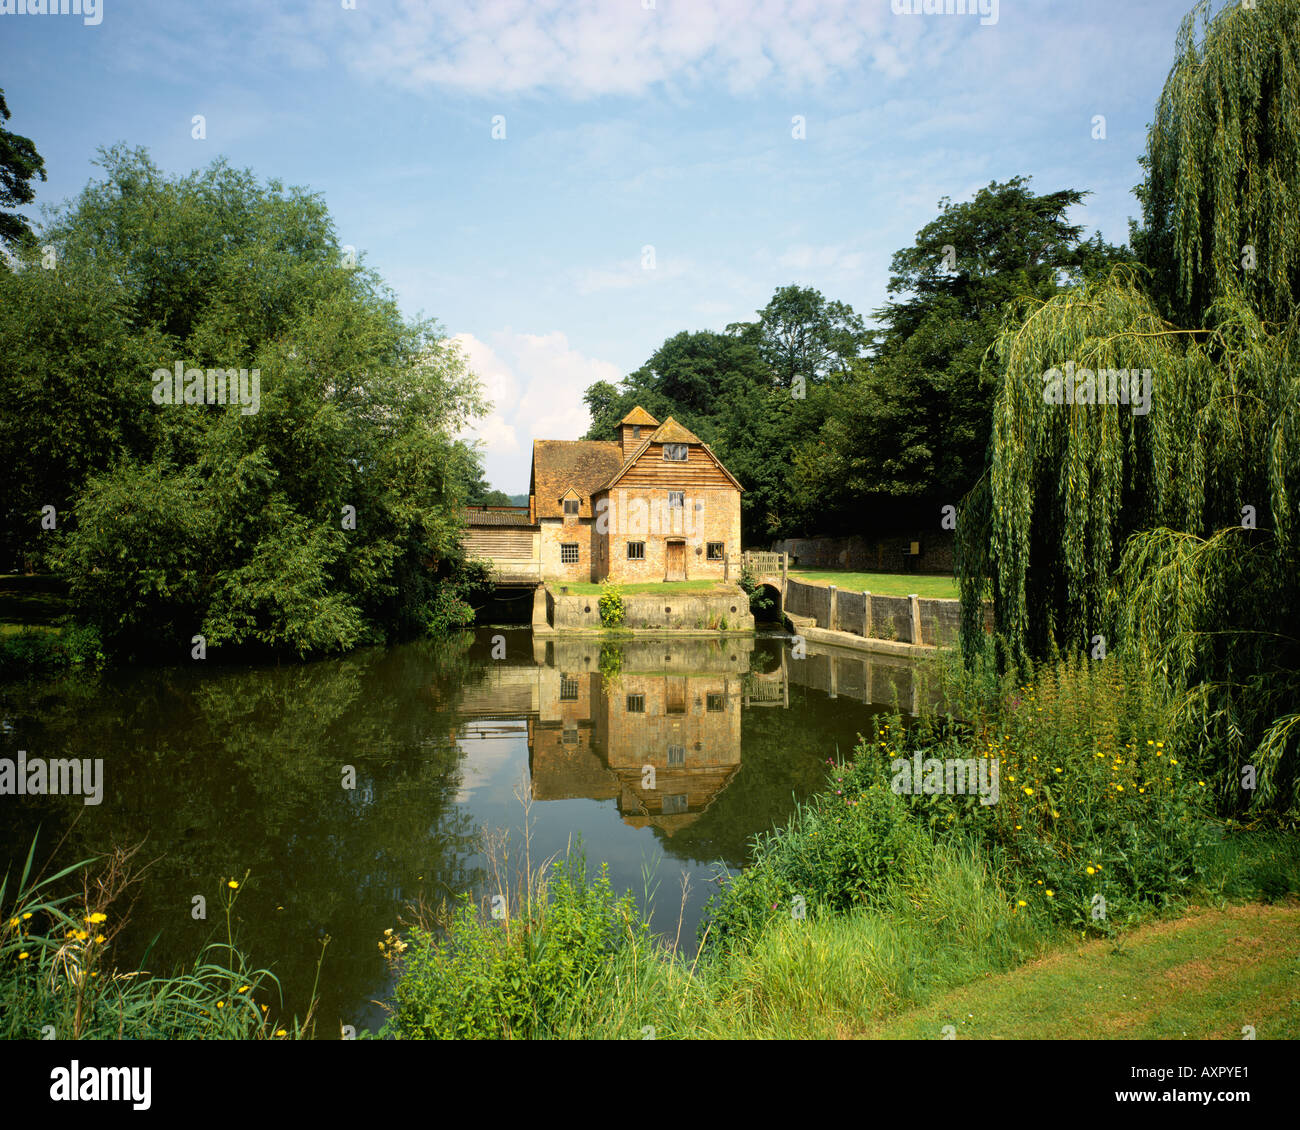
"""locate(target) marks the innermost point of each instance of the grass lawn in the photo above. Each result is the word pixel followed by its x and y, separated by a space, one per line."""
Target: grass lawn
pixel 1200 977
pixel 886 584
pixel 583 587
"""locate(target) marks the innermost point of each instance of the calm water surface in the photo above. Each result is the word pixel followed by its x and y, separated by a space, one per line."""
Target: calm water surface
pixel 663 756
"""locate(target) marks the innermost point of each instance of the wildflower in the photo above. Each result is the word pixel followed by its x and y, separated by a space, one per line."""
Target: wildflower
pixel 81 935
pixel 1021 902
pixel 27 916
pixel 22 956
pixel 1050 893
pixel 100 939
pixel 97 918
pixel 13 922
pixel 233 885
pixel 263 1008
pixel 1091 871
pixel 281 1032
pixel 1029 791
pixel 221 1004
pixel 244 989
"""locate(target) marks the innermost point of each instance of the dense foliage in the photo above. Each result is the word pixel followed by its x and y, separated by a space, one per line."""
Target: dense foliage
pixel 1172 530
pixel 319 511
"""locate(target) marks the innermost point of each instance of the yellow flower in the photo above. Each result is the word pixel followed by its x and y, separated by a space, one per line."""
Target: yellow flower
pixel 1029 791
pixel 1119 788
pixel 233 885
pixel 1021 902
pixel 97 918
pixel 1091 871
pixel 1055 814
pixel 27 916
pixel 244 989
pixel 100 939
pixel 1172 761
pixel 221 1004
pixel 263 1008
pixel 81 935
pixel 281 1032
pixel 1051 893
pixel 13 922
pixel 22 956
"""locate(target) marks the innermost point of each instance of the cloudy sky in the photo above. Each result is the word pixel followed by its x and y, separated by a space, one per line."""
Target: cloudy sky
pixel 749 143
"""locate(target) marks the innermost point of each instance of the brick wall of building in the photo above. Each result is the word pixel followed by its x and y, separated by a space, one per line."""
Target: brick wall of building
pixel 554 532
pixel 708 516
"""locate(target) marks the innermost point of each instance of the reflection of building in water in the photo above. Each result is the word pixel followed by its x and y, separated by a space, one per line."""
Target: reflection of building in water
pixel 661 736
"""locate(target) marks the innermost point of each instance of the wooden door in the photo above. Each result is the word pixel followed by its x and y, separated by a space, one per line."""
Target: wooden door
pixel 676 561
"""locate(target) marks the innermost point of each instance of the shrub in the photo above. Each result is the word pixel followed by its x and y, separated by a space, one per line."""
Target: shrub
pixel 533 975
pixel 612 610
pixel 836 852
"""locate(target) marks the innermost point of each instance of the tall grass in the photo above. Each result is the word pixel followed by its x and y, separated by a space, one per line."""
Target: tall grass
pixel 58 978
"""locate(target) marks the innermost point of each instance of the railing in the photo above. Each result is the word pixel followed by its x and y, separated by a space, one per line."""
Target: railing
pixel 766 563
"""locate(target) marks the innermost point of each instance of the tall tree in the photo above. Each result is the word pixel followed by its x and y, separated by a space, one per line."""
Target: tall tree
pixel 19 164
pixel 1169 525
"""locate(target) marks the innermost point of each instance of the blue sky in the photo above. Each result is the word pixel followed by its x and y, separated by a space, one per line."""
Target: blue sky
pixel 628 123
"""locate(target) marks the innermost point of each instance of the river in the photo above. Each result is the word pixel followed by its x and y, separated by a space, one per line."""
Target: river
pixel 351 788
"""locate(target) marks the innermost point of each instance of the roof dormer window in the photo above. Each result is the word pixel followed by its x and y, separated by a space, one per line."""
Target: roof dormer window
pixel 675 452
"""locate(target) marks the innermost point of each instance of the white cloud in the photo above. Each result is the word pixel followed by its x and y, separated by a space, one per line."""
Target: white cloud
pixel 535 383
pixel 594 47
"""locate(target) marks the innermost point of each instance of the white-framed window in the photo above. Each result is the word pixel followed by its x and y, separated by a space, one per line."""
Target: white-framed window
pixel 568 553
pixel 636 551
pixel 714 550
pixel 675 452
pixel 676 499
pixel 571 506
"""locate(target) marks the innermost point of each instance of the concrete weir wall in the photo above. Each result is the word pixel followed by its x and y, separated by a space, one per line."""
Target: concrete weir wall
pixel 667 611
pixel 924 621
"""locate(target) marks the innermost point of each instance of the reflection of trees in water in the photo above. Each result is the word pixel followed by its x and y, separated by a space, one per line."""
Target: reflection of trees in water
pixel 223 772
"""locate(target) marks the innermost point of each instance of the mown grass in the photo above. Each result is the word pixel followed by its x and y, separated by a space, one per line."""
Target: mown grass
pixel 883 584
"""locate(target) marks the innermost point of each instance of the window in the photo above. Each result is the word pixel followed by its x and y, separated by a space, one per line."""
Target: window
pixel 636 704
pixel 568 552
pixel 675 804
pixel 636 431
pixel 676 755
pixel 571 506
pixel 570 736
pixel 568 689
pixel 675 452
pixel 715 551
pixel 636 551
pixel 676 499
pixel 713 702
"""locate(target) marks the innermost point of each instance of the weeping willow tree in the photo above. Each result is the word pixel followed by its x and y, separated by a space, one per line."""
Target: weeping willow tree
pixel 1144 467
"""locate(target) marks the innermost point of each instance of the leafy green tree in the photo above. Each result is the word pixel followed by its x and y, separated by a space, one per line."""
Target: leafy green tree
pixel 322 513
pixel 19 164
pixel 915 420
pixel 1170 529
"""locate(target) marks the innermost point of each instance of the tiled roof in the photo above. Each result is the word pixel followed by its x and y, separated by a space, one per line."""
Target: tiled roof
pixel 639 415
pixel 582 464
pixel 476 517
pixel 670 431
